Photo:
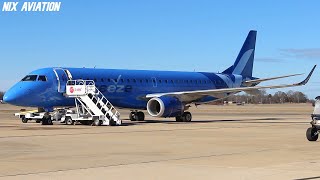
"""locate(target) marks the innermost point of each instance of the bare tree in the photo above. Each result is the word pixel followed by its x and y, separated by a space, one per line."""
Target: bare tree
pixel 262 97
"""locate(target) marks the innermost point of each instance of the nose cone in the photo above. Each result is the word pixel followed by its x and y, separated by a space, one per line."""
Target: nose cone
pixel 18 95
pixel 12 96
pixel 8 98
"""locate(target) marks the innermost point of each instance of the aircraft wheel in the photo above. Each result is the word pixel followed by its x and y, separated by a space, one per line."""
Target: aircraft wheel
pixel 311 134
pixel 187 117
pixel 139 116
pixel 24 119
pixel 46 120
pixel 69 121
pixel 132 116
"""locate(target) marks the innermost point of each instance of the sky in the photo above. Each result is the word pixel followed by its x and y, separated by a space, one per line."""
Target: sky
pixel 182 35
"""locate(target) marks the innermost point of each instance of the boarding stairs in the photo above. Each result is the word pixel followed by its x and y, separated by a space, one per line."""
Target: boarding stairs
pixel 91 102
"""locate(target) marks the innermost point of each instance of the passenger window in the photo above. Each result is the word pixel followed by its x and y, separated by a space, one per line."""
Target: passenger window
pixel 140 80
pixel 128 80
pixel 122 80
pixel 101 79
pixel 42 78
pixel 166 81
pixel 159 81
pixel 134 80
pixel 30 78
pixel 147 81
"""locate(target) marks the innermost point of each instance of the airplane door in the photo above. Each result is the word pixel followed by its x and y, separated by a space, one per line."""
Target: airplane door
pixel 63 75
pixel 154 81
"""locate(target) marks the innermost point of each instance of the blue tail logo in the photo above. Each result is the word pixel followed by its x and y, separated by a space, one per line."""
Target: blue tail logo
pixel 244 62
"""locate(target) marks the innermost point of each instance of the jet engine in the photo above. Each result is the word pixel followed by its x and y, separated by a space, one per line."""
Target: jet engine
pixel 165 106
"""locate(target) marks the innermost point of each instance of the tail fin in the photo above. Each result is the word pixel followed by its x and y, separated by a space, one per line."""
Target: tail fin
pixel 244 62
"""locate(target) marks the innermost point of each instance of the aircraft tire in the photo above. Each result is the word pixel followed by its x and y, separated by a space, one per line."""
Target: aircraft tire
pixel 49 120
pixel 24 119
pixel 310 134
pixel 132 116
pixel 139 116
pixel 187 117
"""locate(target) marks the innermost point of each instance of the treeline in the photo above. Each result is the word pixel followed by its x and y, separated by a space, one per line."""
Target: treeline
pixel 262 97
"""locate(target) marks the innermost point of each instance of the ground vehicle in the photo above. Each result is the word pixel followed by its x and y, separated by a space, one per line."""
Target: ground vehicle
pixel 41 116
pixel 313 131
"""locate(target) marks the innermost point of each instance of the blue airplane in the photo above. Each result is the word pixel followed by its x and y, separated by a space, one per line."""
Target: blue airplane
pixel 161 93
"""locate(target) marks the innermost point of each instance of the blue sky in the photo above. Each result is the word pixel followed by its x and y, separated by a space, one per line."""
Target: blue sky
pixel 186 35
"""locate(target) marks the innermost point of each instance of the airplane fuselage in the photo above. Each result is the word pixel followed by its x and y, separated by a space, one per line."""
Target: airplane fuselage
pixel 124 88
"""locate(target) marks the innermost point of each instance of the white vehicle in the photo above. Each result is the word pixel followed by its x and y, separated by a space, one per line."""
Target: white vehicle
pixel 313 131
pixel 41 116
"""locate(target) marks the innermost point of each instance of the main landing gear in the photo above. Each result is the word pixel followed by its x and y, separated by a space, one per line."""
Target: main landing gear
pixel 46 120
pixel 185 117
pixel 136 116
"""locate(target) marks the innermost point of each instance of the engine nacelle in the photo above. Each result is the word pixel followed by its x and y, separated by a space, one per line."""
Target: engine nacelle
pixel 165 106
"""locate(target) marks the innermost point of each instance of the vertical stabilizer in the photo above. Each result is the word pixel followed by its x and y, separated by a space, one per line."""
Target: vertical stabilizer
pixel 244 62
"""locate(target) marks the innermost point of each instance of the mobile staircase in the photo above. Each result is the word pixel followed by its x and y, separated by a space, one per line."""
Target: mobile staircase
pixel 92 107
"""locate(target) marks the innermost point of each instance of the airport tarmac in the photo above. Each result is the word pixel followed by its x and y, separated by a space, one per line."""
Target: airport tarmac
pixel 222 142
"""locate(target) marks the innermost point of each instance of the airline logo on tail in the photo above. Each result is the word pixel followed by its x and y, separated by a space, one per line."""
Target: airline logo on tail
pixel 243 62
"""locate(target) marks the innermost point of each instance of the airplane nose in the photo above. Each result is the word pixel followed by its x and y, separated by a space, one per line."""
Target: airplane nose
pixel 8 97
pixel 15 95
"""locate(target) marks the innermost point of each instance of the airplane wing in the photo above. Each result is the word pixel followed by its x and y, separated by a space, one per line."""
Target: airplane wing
pixel 189 96
pixel 256 81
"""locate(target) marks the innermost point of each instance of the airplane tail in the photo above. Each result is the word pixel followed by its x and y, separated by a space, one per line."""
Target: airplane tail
pixel 244 62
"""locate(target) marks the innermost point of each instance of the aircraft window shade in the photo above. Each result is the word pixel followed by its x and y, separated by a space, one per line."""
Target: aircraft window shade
pixel 30 78
pixel 42 78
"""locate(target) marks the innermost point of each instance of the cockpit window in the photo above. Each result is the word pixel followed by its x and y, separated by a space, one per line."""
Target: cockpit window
pixel 30 78
pixel 42 78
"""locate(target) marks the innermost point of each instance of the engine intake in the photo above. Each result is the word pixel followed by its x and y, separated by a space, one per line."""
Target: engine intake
pixel 165 106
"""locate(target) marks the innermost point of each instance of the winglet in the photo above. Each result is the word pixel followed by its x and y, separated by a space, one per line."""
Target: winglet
pixel 307 78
